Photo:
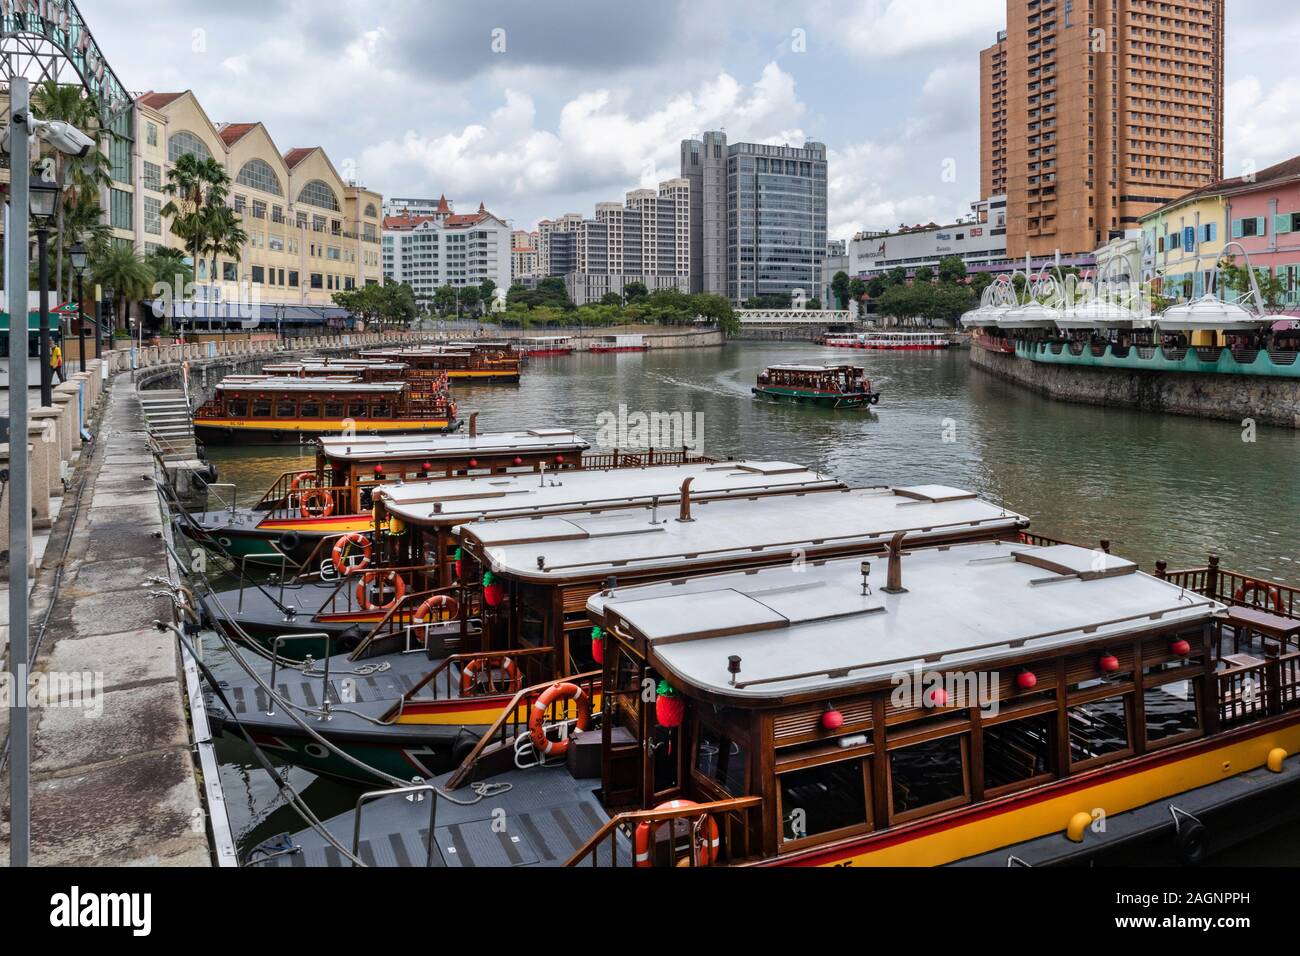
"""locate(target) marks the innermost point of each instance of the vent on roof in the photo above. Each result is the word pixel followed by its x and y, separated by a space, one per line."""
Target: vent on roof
pixel 550 432
pixel 770 468
pixel 1069 561
pixel 934 493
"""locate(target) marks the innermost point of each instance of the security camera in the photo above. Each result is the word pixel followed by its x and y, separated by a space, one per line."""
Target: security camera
pixel 64 137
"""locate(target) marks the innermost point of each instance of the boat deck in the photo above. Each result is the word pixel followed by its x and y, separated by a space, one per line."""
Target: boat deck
pixel 541 820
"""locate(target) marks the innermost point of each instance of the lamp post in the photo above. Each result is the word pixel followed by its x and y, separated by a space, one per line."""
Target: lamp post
pixel 44 200
pixel 79 262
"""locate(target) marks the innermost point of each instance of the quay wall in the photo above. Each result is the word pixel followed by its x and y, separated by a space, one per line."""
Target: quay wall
pixel 1235 398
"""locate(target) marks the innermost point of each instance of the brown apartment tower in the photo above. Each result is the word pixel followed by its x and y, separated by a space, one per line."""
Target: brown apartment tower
pixel 1095 112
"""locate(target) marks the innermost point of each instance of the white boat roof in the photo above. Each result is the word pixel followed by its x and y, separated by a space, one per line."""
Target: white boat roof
pixel 556 548
pixel 812 631
pixel 433 447
pixel 813 368
pixel 340 384
pixel 463 500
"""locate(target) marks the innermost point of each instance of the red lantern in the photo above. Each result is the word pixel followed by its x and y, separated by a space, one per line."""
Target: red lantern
pixel 1026 680
pixel 518 461
pixel 473 462
pixel 379 469
pixel 493 595
pixel 426 467
pixel 937 698
pixel 670 711
pixel 832 720
pixel 1109 663
pixel 598 645
pixel 1180 648
pixel 559 459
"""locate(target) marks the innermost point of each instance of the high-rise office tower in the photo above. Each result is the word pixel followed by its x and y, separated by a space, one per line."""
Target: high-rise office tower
pixel 1112 108
pixel 758 217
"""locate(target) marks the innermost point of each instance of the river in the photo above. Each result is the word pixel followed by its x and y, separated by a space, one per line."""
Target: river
pixel 1158 487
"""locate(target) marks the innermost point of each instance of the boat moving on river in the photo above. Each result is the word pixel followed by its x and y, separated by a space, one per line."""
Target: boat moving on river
pixel 827 386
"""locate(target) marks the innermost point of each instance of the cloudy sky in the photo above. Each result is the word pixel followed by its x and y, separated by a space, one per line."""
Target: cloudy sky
pixel 538 109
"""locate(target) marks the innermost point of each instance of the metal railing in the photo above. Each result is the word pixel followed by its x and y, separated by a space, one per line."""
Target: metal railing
pixel 739 815
pixel 434 794
pixel 283 639
pixel 444 671
pixel 509 724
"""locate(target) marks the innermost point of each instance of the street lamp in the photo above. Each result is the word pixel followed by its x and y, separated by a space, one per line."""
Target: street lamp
pixel 80 260
pixel 43 202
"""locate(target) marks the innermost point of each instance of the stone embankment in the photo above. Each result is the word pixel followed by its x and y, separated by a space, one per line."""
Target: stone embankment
pixel 1234 398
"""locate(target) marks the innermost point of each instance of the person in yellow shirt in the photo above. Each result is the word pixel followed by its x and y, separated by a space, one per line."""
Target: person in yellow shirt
pixel 56 362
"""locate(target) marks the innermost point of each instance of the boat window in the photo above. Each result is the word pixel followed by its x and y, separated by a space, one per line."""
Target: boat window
pixel 262 408
pixel 310 410
pixel 1099 729
pixel 721 759
pixel 356 409
pixel 334 410
pixel 824 799
pixel 285 408
pixel 237 407
pixel 383 409
pixel 1171 710
pixel 1019 751
pixel 928 776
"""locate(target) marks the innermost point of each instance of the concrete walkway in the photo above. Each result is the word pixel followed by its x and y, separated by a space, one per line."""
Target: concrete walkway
pixel 117 788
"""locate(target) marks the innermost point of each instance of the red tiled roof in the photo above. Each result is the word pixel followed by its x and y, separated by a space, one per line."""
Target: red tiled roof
pixel 443 208
pixel 296 156
pixel 232 133
pixel 159 100
pixel 1287 169
pixel 405 221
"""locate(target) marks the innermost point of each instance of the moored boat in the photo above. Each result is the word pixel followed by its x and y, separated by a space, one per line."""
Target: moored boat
pixel 905 341
pixel 471 360
pixel 548 345
pixel 827 386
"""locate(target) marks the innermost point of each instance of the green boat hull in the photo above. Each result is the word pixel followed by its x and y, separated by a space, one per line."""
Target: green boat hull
pixel 793 396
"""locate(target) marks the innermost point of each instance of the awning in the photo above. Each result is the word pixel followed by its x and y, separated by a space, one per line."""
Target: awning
pixel 1288 323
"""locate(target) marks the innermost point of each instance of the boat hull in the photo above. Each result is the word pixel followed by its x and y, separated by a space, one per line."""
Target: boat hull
pixel 819 399
pixel 300 432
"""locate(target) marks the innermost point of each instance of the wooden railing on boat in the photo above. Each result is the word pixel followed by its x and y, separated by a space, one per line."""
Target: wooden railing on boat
pixel 737 821
pixel 460 661
pixel 509 725
pixel 282 500
pixel 401 615
pixel 642 459
pixel 1235 588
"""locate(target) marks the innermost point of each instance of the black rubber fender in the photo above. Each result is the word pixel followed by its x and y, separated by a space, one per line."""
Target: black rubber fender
pixel 290 541
pixel 1192 843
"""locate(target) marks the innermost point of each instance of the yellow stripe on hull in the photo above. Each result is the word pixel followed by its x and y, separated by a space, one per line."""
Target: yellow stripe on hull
pixel 1030 817
pixel 463 715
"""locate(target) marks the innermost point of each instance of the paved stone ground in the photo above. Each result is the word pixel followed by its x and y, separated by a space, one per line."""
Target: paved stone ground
pixel 119 788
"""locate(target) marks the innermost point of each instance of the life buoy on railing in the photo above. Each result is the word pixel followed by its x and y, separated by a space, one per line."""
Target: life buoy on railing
pixel 425 613
pixel 469 675
pixel 342 553
pixel 1271 595
pixel 708 846
pixel 300 478
pixel 378 583
pixel 536 720
pixel 316 503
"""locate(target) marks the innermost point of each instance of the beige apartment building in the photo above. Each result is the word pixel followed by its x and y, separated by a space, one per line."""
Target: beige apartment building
pixel 1112 109
pixel 311 233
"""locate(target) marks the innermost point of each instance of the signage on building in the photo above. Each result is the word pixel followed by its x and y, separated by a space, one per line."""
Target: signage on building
pixel 976 233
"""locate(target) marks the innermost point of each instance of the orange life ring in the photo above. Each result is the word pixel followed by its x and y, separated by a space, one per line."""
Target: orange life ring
pixel 340 553
pixel 316 503
pixel 425 612
pixel 709 848
pixel 1254 587
pixel 469 675
pixel 302 476
pixel 371 578
pixel 560 691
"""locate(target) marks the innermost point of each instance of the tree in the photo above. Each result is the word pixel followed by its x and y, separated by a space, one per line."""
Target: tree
pixel 223 235
pixel 195 188
pixel 924 275
pixel 635 292
pixel 896 276
pixel 875 288
pixel 125 275
pixel 840 287
pixel 444 299
pixel 611 298
pixel 952 269
pixel 487 291
pixel 814 305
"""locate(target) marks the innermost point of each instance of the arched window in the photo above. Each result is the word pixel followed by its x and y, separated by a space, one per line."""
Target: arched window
pixel 184 143
pixel 258 174
pixel 371 211
pixel 316 193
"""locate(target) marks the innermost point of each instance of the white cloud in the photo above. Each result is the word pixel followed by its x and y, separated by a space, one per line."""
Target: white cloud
pixel 1263 123
pixel 891 29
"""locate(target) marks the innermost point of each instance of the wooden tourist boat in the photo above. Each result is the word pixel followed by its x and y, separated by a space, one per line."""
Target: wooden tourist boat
pixel 359 369
pixel 470 361
pixel 980 704
pixel 905 341
pixel 334 496
pixel 827 386
pixel 532 604
pixel 259 411
pixel 350 584
pixel 548 345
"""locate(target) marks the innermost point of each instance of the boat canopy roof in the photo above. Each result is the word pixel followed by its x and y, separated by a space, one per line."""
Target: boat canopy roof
pixel 812 631
pixel 559 548
pixel 815 369
pixel 462 500
pixel 331 385
pixel 433 447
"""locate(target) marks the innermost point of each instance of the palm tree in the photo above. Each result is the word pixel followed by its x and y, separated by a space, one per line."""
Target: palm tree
pixel 125 274
pixel 71 104
pixel 194 186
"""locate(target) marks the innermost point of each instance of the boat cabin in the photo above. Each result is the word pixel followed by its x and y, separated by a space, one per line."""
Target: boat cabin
pixel 873 705
pixel 365 371
pixel 546 568
pixel 478 361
